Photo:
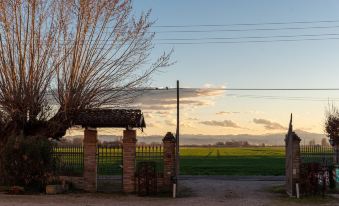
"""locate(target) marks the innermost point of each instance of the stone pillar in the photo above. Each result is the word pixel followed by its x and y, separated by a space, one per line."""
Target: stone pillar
pixel 90 162
pixel 129 155
pixel 169 160
pixel 296 163
pixel 293 161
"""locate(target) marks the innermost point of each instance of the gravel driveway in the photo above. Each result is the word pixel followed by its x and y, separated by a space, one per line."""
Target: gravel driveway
pixel 195 191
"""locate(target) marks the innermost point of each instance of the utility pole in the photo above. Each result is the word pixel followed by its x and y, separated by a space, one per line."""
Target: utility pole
pixel 177 155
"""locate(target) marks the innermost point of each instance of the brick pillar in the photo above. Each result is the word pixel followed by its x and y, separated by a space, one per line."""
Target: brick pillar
pixel 296 162
pixel 129 155
pixel 169 159
pixel 90 162
pixel 293 161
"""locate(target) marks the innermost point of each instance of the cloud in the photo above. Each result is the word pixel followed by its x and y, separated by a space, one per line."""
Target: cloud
pixel 170 122
pixel 226 113
pixel 269 125
pixel 150 124
pixel 173 123
pixel 225 123
pixel 148 115
pixel 167 99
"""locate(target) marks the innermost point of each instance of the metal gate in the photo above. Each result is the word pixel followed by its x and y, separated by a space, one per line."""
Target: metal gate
pixel 109 168
pixel 69 159
pixel 149 167
pixel 316 169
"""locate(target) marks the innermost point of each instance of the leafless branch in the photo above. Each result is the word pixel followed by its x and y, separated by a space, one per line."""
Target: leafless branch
pixel 80 50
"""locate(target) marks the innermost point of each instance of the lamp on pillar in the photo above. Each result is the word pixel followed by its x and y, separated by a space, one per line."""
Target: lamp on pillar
pixel 331 142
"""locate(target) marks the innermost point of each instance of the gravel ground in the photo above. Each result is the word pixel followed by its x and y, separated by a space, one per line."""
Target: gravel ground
pixel 195 191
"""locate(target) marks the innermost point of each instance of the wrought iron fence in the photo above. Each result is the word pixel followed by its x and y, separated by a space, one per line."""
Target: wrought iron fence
pixel 70 159
pixel 316 169
pixel 109 160
pixel 317 154
pixel 151 153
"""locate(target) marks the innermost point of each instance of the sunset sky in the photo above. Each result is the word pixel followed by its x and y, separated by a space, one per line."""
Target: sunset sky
pixel 259 47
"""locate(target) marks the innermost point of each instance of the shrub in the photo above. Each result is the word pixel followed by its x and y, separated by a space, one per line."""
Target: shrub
pixel 28 162
pixel 332 124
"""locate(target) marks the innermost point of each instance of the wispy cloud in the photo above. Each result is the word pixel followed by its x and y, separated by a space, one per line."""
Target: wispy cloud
pixel 269 125
pixel 166 99
pixel 225 123
pixel 170 122
pixel 226 113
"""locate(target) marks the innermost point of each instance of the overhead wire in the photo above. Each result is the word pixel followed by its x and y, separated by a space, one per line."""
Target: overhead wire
pixel 251 29
pixel 246 37
pixel 246 24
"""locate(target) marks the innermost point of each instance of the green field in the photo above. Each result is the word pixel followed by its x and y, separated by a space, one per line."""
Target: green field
pixel 232 161
pixel 203 161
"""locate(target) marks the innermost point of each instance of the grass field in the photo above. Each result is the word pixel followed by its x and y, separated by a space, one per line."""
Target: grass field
pixel 207 161
pixel 232 161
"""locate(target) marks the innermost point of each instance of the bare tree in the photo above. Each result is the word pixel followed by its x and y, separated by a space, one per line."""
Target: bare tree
pixel 78 54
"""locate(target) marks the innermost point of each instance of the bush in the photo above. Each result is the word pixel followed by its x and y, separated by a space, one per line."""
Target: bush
pixel 28 162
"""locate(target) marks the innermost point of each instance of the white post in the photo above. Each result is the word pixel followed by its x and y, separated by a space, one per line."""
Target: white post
pixel 174 190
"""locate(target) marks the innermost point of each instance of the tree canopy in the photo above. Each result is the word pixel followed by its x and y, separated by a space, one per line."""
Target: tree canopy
pixel 61 57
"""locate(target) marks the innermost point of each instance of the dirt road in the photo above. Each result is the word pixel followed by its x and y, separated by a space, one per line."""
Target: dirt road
pixel 195 191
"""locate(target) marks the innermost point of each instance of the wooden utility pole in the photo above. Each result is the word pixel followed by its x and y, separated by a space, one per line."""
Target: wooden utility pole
pixel 177 133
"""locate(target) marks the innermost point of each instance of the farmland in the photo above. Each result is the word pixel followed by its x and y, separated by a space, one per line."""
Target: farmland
pixel 244 161
pixel 232 161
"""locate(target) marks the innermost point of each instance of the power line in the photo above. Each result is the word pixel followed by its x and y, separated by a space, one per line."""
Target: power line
pixel 241 30
pixel 247 37
pixel 236 30
pixel 241 37
pixel 182 41
pixel 250 41
pixel 190 89
pixel 251 96
pixel 244 24
pixel 224 38
pixel 293 98
pixel 264 89
pixel 227 89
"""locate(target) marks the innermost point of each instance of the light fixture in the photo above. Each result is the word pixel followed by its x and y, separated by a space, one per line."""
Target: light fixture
pixel 331 142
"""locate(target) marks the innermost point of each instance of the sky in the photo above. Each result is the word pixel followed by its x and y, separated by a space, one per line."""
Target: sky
pixel 268 59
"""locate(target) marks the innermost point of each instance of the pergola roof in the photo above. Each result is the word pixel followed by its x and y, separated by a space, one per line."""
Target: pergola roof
pixel 113 118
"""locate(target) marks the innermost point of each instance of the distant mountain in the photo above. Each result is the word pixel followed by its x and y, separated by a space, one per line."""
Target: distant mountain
pixel 198 139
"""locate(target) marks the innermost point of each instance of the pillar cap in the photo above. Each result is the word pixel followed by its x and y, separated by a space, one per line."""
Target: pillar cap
pixel 91 129
pixel 169 137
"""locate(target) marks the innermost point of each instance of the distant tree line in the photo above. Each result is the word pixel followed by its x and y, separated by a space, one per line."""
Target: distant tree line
pixel 231 143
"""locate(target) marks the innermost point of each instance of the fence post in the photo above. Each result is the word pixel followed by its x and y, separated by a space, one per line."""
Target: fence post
pixel 293 161
pixel 129 156
pixel 90 163
pixel 169 159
